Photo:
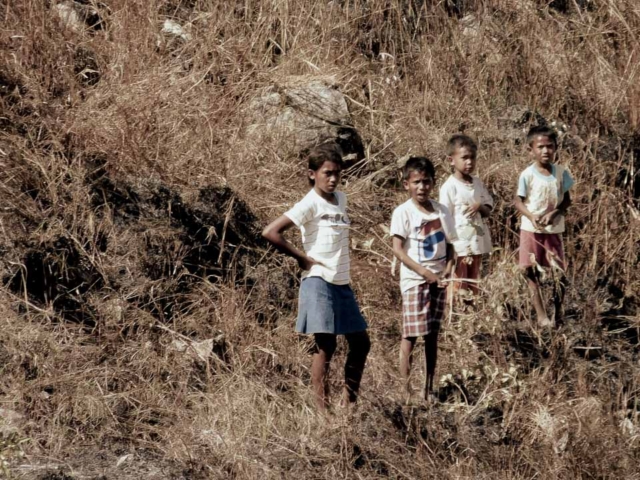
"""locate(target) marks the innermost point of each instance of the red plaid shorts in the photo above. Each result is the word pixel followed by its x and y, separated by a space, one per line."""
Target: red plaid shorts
pixel 422 309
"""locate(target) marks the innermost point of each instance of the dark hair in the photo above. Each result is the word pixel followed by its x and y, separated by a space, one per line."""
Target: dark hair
pixel 327 152
pixel 418 164
pixel 542 131
pixel 459 141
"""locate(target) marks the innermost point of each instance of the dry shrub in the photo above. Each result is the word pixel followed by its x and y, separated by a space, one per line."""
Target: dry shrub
pixel 142 313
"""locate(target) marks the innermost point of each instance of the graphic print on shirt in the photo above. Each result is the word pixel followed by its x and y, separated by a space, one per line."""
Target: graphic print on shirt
pixel 335 220
pixel 430 235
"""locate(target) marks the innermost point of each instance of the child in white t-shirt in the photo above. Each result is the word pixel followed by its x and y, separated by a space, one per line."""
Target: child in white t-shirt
pixel 469 203
pixel 543 199
pixel 423 231
pixel 327 306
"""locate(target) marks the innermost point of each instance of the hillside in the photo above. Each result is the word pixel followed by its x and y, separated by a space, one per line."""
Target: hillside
pixel 147 328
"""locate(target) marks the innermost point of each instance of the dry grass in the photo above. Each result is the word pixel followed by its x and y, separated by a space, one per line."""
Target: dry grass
pixel 132 201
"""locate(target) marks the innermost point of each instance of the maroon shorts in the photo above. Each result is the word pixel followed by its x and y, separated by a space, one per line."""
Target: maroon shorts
pixel 544 249
pixel 422 309
pixel 467 268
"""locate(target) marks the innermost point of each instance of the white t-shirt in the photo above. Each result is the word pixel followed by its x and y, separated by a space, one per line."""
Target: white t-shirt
pixel 542 194
pixel 426 236
pixel 325 235
pixel 473 233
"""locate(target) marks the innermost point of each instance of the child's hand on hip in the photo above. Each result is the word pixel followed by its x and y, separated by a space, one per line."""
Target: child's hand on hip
pixel 306 263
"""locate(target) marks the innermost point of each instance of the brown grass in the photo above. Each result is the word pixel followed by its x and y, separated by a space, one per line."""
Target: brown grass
pixel 132 201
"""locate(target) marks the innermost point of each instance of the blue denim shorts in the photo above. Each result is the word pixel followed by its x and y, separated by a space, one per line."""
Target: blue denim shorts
pixel 327 308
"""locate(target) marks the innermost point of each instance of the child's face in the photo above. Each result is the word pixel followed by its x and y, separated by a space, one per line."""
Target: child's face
pixel 419 186
pixel 464 160
pixel 543 150
pixel 327 177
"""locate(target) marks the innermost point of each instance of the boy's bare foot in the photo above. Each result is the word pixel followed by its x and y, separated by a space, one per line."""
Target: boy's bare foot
pixel 431 398
pixel 545 322
pixel 347 405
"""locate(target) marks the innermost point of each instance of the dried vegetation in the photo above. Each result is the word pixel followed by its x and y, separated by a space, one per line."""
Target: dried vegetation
pixel 147 329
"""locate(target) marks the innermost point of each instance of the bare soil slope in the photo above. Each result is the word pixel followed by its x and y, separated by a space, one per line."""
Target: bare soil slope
pixel 147 329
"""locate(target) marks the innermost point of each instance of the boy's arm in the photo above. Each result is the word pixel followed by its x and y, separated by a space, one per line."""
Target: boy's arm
pixel 487 202
pixel 398 251
pixel 451 261
pixel 521 194
pixel 273 233
pixel 451 258
pixel 521 207
pixel 484 210
pixel 565 204
pixel 446 197
pixel 549 217
pixel 451 236
pixel 484 206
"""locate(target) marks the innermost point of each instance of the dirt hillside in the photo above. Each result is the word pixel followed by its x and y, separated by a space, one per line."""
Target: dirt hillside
pixel 147 328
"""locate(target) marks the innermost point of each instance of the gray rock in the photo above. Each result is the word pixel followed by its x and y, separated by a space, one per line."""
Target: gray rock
pixel 10 421
pixel 200 351
pixel 470 26
pixel 78 16
pixel 301 112
pixel 173 28
pixel 69 15
pixel 515 121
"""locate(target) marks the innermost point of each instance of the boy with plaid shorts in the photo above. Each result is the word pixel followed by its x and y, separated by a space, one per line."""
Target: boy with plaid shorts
pixel 423 231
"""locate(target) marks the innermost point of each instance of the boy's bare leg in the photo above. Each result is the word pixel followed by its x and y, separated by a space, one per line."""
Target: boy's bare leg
pixel 559 289
pixel 325 346
pixel 359 346
pixel 536 294
pixel 406 348
pixel 453 292
pixel 467 268
pixel 431 359
pixel 474 274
